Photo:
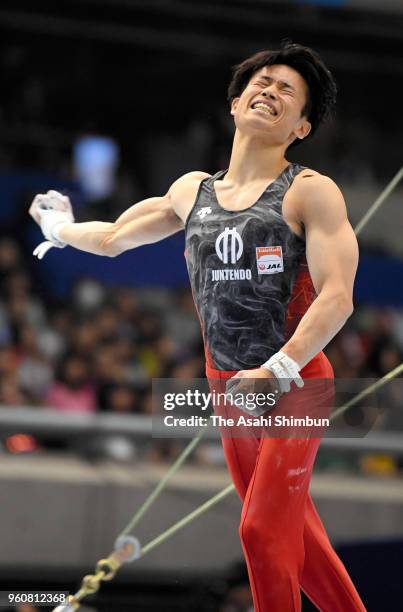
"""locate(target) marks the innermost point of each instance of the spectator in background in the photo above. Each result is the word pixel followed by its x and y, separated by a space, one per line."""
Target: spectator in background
pixel 8 361
pixel 127 307
pixel 108 372
pixel 10 259
pixel 122 399
pixel 181 322
pixel 10 394
pixel 23 307
pixel 159 355
pixel 189 368
pixel 107 324
pixel 72 390
pixel 34 373
pixel 84 339
pixel 384 356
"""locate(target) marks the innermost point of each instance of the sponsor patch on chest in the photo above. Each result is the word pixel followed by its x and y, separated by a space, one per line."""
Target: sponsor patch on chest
pixel 269 260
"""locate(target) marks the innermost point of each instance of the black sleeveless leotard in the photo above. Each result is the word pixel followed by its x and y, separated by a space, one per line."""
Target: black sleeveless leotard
pixel 248 273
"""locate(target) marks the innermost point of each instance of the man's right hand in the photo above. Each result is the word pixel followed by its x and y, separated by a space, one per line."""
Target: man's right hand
pixel 52 200
pixel 49 211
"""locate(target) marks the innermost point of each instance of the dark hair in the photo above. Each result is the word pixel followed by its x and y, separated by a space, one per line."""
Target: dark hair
pixel 321 84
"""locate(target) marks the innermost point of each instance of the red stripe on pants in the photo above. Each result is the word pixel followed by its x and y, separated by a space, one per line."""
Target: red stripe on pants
pixel 285 544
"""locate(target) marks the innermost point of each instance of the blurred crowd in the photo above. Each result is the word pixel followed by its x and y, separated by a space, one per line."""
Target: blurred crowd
pixel 99 350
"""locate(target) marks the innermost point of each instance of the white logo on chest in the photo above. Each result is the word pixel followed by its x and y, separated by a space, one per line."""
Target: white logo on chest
pixel 206 210
pixel 227 249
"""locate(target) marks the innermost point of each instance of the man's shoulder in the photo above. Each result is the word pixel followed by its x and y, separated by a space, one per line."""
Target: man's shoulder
pixel 310 184
pixel 190 179
pixel 316 195
pixel 187 185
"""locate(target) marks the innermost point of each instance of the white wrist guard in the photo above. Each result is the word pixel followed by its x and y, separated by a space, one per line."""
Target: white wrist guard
pixel 51 222
pixel 51 210
pixel 285 370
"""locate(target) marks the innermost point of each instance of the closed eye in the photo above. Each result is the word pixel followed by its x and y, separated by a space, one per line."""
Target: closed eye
pixel 265 80
pixel 286 86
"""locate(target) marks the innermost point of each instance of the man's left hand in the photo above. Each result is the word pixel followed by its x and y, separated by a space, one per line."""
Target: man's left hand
pixel 243 381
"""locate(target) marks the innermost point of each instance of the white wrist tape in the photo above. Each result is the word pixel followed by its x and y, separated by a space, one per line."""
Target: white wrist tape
pixel 52 210
pixel 285 369
pixel 51 223
pixel 42 248
pixel 54 231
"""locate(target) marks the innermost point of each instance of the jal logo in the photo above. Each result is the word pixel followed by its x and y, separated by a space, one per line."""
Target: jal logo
pixel 229 246
pixel 269 260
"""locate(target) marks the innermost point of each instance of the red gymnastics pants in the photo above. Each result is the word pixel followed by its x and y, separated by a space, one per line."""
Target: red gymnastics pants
pixel 285 544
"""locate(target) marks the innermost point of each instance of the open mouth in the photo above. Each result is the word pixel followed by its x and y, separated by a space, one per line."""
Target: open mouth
pixel 265 107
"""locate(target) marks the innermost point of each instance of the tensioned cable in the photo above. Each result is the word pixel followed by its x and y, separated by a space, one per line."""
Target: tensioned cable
pixel 163 482
pixel 187 519
pixel 127 548
pixel 379 201
pixel 379 383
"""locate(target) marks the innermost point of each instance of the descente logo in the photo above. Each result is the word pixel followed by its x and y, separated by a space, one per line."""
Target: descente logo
pixel 228 274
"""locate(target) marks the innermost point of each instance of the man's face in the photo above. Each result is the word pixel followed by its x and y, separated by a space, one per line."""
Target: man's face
pixel 270 106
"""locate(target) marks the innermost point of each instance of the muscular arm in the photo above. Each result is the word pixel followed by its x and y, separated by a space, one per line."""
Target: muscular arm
pixel 332 255
pixel 146 222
